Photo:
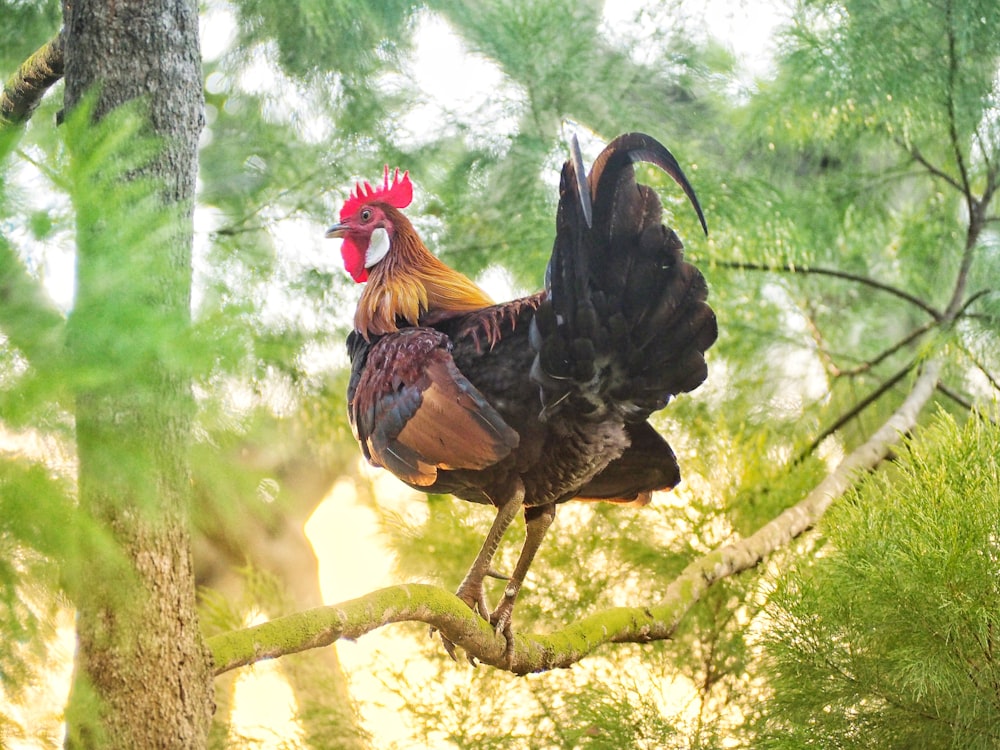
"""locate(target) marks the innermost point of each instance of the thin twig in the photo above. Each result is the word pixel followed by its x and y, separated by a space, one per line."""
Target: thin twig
pixel 845 275
pixel 885 354
pixel 918 157
pixel 956 142
pixel 973 298
pixel 956 397
pixel 967 404
pixel 854 411
pixel 982 368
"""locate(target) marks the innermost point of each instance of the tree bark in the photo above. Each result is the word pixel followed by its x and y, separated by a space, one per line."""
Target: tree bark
pixel 142 676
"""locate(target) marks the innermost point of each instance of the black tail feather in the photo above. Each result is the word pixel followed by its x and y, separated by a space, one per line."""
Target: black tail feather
pixel 626 324
pixel 612 179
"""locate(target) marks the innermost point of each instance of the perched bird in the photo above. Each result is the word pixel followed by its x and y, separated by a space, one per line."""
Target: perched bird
pixel 527 404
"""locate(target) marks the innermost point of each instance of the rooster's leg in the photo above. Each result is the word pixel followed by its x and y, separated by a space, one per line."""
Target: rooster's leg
pixel 537 521
pixel 471 589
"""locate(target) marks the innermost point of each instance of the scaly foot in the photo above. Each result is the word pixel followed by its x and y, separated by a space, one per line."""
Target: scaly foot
pixel 474 596
pixel 500 619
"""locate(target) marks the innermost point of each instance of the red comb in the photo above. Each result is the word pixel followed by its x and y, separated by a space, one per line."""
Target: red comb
pixel 398 194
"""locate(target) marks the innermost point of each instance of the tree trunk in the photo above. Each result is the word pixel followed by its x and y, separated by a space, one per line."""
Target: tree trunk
pixel 142 674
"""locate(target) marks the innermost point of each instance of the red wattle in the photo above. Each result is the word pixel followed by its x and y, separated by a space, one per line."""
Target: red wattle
pixel 354 260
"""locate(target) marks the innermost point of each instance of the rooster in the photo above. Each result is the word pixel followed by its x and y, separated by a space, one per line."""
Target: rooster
pixel 527 404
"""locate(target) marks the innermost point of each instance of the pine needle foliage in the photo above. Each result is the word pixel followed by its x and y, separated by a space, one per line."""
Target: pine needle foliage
pixel 890 638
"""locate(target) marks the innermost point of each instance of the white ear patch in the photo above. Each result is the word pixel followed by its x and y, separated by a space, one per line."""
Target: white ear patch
pixel 378 247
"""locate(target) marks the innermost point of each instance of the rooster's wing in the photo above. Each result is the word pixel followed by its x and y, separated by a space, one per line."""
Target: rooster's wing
pixel 414 412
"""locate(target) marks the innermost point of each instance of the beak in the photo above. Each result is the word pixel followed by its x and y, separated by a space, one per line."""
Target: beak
pixel 336 231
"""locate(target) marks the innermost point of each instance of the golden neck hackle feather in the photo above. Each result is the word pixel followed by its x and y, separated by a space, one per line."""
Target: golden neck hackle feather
pixel 411 282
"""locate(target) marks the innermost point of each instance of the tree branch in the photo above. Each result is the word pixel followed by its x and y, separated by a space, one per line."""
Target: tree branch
pixel 27 316
pixel 323 626
pixel 972 300
pixel 864 367
pixel 24 90
pixel 846 275
pixel 956 397
pixel 981 366
pixel 854 411
pixel 956 141
pixel 918 157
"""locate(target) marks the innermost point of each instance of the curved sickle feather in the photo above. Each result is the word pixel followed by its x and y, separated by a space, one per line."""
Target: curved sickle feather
pixel 634 148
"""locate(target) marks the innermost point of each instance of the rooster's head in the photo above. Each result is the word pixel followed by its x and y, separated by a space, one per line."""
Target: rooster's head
pixel 407 282
pixel 368 222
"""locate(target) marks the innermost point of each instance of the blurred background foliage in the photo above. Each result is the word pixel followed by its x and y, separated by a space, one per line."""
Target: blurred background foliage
pixel 840 182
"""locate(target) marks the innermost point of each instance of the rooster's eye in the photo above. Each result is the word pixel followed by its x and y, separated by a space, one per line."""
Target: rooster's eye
pixel 366 215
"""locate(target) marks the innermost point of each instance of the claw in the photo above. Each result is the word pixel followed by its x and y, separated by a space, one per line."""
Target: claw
pixel 474 597
pixel 500 619
pixel 503 628
pixel 508 651
pixel 483 606
pixel 449 646
pixel 501 616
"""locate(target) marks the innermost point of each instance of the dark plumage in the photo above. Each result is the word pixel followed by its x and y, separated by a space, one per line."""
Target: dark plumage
pixel 531 403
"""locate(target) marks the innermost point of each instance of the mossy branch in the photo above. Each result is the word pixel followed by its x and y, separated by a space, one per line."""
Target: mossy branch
pixel 442 610
pixel 24 90
pixel 434 606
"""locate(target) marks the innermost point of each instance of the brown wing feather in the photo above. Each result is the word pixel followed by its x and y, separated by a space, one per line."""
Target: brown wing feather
pixel 415 412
